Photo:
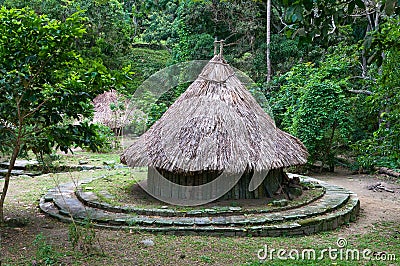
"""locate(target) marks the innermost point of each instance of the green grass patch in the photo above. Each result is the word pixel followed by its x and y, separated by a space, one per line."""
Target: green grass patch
pixel 114 187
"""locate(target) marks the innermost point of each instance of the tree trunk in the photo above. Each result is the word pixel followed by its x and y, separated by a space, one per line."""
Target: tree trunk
pixel 268 40
pixel 328 151
pixel 7 181
pixel 364 63
pixel 387 171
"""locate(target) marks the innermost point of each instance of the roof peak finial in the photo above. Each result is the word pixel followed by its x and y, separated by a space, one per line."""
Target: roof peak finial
pixel 215 45
pixel 221 47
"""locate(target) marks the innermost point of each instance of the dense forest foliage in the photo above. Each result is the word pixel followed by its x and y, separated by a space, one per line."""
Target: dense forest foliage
pixel 335 64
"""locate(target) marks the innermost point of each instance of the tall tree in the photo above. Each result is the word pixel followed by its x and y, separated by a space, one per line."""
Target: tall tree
pixel 268 40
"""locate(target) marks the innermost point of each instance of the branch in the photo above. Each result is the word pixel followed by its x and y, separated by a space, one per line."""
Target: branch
pixel 230 44
pixel 362 77
pixel 283 23
pixel 20 116
pixel 334 26
pixel 18 101
pixel 365 92
pixel 38 72
pixel 36 109
pixel 363 14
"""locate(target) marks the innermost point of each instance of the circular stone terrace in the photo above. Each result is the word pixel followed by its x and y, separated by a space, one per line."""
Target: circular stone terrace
pixel 329 207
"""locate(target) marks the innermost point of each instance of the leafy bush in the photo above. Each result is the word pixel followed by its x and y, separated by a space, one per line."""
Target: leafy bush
pixel 312 104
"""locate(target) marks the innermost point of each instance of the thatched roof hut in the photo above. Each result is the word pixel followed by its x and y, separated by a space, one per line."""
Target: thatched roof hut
pixel 215 126
pixel 110 109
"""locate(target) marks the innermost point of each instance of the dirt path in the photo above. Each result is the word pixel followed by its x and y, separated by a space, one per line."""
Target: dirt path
pixel 375 206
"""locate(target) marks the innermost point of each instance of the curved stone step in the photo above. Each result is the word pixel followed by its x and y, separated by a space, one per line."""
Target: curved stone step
pixel 336 207
pixel 68 204
pixel 330 221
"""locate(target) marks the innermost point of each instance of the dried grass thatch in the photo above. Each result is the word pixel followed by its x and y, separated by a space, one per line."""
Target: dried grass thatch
pixel 113 118
pixel 216 125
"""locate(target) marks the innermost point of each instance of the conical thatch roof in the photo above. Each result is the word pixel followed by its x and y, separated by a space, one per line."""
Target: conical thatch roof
pixel 215 125
pixel 116 117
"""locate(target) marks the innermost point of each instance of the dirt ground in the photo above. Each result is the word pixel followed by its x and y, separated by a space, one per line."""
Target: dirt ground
pixel 375 206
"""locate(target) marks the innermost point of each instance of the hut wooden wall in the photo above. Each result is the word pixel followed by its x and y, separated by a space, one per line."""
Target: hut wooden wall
pixel 240 191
